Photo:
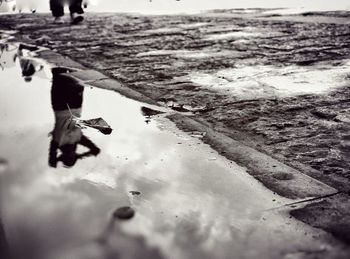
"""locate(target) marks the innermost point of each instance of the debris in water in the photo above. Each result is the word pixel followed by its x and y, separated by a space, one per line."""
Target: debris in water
pixel 135 193
pixel 99 124
pixel 148 112
pixel 198 134
pixel 3 161
pixel 124 213
pixel 3 165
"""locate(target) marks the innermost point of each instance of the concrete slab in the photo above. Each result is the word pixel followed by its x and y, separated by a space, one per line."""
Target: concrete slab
pixel 58 59
pixel 114 85
pixel 279 177
pixel 87 75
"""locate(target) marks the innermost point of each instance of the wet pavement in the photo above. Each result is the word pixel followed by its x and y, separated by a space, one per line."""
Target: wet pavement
pixel 62 183
pixel 277 83
pixel 226 66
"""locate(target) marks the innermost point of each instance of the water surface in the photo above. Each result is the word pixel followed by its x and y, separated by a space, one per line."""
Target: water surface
pixel 189 201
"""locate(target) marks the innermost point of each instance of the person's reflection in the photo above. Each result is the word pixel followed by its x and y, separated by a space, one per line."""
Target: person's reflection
pixel 29 66
pixel 10 53
pixel 67 98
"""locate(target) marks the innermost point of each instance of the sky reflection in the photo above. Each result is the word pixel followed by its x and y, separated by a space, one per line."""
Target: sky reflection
pixel 193 202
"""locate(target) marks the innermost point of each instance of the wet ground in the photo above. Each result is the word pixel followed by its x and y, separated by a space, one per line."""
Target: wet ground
pixel 189 201
pixel 279 85
pixel 272 82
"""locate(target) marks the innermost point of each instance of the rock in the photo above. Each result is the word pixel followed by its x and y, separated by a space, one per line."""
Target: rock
pixel 135 193
pixel 124 213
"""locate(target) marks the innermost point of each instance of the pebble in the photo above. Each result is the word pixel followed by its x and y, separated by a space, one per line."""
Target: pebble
pixel 124 213
pixel 135 193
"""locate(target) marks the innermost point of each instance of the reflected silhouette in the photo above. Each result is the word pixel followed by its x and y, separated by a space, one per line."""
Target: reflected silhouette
pixel 67 99
pixel 28 65
pixel 9 53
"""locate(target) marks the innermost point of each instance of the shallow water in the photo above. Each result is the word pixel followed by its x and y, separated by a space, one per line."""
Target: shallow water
pixel 189 201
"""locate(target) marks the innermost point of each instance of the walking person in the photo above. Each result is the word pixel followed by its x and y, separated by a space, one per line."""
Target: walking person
pixel 75 9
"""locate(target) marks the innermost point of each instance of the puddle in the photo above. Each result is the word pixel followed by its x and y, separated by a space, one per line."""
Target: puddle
pixel 308 19
pixel 193 25
pixel 64 185
pixel 249 82
pixel 242 33
pixel 234 35
pixel 13 54
pixel 187 54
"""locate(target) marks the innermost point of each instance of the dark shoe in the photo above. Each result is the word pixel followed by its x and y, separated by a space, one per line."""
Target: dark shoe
pixel 76 18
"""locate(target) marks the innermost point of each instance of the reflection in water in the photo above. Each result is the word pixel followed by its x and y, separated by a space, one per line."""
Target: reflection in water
pixel 3 165
pixel 28 65
pixel 189 206
pixel 10 53
pixel 148 113
pixel 4 250
pixel 114 242
pixel 7 55
pixel 67 99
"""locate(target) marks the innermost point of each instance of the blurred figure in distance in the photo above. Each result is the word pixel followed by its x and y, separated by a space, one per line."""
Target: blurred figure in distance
pixel 75 9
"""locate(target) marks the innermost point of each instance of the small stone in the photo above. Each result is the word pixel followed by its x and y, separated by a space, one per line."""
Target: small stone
pixel 3 165
pixel 124 213
pixel 135 193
